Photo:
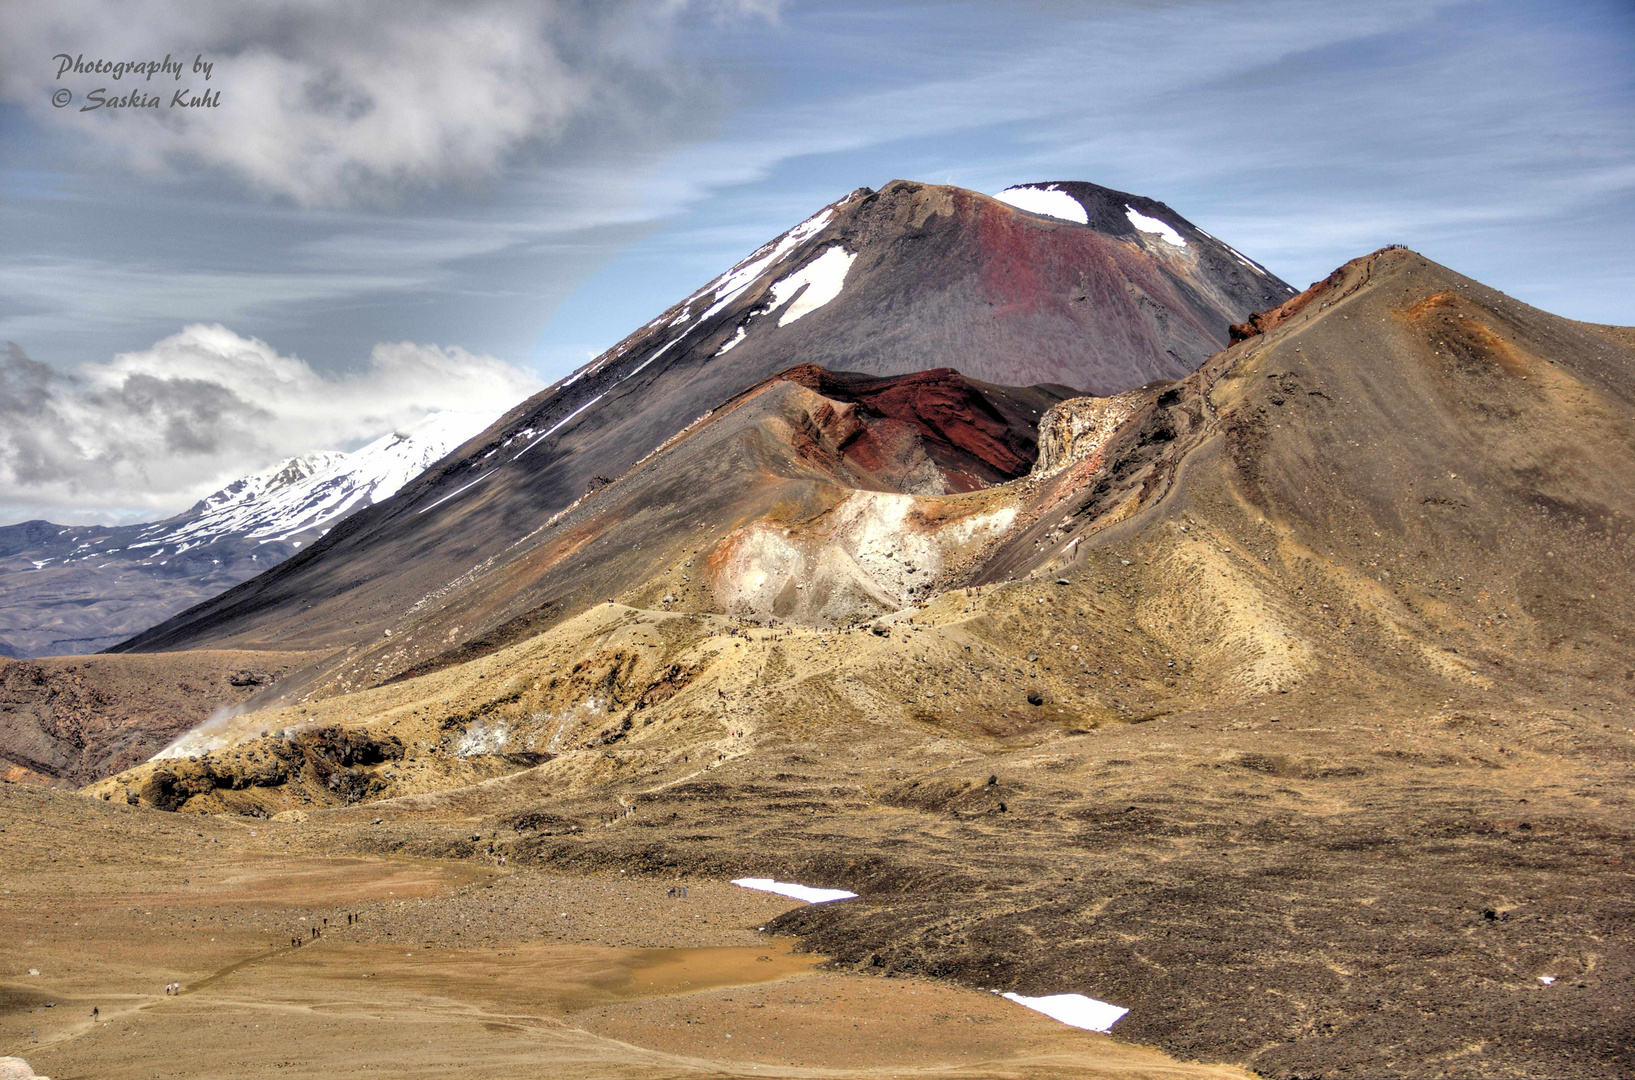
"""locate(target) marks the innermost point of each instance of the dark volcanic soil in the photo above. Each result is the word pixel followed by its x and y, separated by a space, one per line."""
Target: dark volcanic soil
pixel 1309 887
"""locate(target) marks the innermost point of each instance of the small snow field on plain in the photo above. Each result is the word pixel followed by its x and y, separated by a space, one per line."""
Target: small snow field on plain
pixel 1048 201
pixel 796 892
pixel 1075 1010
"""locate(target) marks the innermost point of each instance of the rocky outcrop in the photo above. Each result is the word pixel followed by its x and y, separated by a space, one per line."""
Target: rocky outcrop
pixel 930 433
pixel 330 764
pixel 1076 429
pixel 1262 321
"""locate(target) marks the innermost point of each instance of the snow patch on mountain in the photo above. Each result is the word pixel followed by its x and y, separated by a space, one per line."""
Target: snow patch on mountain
pixel 1240 256
pixel 1050 201
pixel 1146 224
pixel 533 440
pixel 798 294
pixel 823 278
pixel 732 343
pixel 726 288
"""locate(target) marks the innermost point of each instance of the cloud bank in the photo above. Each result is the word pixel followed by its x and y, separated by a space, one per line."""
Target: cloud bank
pixel 355 103
pixel 147 433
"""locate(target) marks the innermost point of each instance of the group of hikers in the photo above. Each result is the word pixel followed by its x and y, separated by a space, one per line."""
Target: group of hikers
pixel 317 931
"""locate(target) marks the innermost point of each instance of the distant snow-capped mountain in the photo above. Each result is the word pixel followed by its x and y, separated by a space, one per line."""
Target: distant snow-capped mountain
pixel 297 497
pixel 68 589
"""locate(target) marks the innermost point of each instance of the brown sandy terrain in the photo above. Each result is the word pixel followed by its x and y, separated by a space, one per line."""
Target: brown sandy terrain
pixel 1327 881
pixel 453 968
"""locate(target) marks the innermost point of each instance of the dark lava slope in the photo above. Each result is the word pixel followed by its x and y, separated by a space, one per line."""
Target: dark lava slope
pixel 905 279
pixel 788 451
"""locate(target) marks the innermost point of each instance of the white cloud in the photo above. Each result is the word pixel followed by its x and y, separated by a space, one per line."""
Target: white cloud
pixel 148 432
pixel 332 104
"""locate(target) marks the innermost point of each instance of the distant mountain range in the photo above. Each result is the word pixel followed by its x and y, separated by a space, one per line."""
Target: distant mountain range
pixel 69 589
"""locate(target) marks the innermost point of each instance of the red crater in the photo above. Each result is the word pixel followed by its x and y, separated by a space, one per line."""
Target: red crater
pixel 975 433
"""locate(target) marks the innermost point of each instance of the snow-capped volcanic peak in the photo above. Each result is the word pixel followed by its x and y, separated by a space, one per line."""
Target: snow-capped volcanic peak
pixel 258 486
pixel 1048 200
pixel 305 493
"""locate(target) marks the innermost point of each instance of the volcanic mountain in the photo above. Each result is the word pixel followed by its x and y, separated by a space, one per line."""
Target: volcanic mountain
pixel 73 589
pixel 1089 288
pixel 1307 671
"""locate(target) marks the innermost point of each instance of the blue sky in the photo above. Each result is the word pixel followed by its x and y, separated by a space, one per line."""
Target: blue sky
pixel 530 182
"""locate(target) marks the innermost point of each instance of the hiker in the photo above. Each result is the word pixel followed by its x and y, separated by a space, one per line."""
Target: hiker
pixel 94 1012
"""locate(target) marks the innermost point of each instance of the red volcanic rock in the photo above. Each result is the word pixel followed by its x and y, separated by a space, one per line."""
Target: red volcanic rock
pixel 976 434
